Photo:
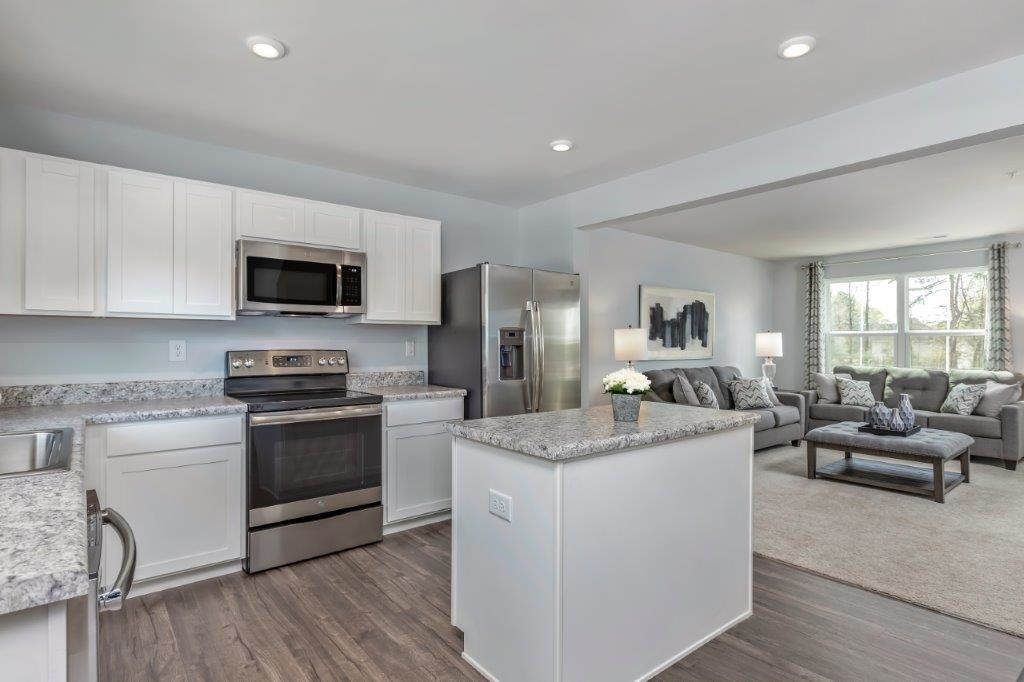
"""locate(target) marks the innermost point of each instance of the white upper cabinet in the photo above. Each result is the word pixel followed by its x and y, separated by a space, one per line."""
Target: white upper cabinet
pixel 60 230
pixel 403 260
pixel 333 225
pixel 202 250
pixel 270 216
pixel 140 243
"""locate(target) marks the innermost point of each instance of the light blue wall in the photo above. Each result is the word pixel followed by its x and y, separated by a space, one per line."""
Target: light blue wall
pixel 73 350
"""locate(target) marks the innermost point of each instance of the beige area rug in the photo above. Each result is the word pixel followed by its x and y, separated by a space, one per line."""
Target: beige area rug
pixel 964 558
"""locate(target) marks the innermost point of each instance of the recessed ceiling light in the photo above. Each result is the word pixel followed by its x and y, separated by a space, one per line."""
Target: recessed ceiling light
pixel 561 145
pixel 796 47
pixel 265 47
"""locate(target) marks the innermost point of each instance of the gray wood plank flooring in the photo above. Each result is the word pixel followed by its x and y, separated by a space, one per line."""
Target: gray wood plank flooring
pixel 381 613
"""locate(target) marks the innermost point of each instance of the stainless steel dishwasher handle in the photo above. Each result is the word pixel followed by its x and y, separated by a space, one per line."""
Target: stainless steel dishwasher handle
pixel 112 599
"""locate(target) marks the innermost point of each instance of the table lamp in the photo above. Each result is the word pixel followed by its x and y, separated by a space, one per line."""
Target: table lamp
pixel 769 345
pixel 630 344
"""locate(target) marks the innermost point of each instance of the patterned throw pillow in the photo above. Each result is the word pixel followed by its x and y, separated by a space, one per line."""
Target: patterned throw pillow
pixel 705 395
pixel 854 392
pixel 750 394
pixel 963 398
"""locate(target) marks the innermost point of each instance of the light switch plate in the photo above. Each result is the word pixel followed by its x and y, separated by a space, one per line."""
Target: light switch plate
pixel 176 351
pixel 500 505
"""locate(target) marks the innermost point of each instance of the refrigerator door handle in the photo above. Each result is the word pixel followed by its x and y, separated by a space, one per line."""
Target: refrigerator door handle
pixel 538 326
pixel 532 372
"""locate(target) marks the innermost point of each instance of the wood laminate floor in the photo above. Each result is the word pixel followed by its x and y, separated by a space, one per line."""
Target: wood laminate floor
pixel 381 613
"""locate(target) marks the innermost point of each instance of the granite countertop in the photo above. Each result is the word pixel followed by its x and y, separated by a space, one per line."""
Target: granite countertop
pixel 42 516
pixel 568 434
pixel 415 392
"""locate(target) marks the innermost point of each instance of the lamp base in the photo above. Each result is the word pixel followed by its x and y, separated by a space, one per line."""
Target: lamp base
pixel 768 371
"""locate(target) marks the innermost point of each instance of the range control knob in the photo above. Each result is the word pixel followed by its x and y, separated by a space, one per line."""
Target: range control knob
pixel 236 363
pixel 322 361
pixel 249 362
pixel 341 360
pixel 330 361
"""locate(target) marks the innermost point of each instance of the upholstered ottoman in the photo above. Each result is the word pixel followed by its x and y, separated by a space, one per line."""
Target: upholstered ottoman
pixel 927 445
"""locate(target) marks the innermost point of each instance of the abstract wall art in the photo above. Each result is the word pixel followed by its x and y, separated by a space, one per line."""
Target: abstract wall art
pixel 680 323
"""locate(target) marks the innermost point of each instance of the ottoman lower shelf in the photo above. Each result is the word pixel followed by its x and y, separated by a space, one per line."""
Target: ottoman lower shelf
pixel 902 477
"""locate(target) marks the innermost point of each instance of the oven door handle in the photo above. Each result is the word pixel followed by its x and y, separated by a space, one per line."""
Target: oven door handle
pixel 299 416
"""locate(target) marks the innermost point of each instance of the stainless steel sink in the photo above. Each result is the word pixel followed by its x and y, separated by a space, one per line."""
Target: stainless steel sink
pixel 35 452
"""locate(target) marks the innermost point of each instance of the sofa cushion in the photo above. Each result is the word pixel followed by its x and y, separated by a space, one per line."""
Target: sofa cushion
pixel 926 388
pixel 725 374
pixel 828 392
pixel 854 392
pixel 766 419
pixel 996 395
pixel 749 394
pixel 873 375
pixel 962 399
pixel 708 376
pixel 785 414
pixel 838 413
pixel 980 376
pixel 682 391
pixel 923 417
pixel 970 424
pixel 661 381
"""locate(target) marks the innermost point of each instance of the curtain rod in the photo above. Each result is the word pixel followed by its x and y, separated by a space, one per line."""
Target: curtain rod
pixel 1013 245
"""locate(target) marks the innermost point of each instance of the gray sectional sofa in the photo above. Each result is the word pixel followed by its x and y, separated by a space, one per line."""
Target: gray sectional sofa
pixel 780 424
pixel 999 437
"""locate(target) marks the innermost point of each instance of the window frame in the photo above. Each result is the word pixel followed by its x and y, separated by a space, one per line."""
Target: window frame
pixel 903 334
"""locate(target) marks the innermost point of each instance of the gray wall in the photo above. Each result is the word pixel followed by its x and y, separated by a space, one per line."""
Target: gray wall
pixel 618 262
pixel 60 349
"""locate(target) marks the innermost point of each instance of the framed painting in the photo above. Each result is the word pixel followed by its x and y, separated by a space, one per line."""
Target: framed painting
pixel 680 323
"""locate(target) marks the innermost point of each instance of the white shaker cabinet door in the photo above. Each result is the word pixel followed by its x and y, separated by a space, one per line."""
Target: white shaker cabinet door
pixel 270 216
pixel 333 225
pixel 184 507
pixel 419 470
pixel 386 264
pixel 140 243
pixel 423 258
pixel 60 232
pixel 202 250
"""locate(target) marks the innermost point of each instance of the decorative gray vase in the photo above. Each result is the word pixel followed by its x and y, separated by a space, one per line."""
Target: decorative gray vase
pixel 896 422
pixel 625 407
pixel 906 411
pixel 879 415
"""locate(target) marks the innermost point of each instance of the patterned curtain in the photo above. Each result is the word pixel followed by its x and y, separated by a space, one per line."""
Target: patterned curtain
pixel 1000 343
pixel 814 320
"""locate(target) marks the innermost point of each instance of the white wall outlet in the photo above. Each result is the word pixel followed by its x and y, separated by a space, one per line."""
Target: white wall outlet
pixel 177 351
pixel 500 505
pixel 410 349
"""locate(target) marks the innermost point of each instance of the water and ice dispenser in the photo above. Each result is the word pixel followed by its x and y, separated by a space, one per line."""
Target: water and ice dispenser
pixel 510 354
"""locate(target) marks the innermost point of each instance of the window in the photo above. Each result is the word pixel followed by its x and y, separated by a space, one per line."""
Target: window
pixel 927 320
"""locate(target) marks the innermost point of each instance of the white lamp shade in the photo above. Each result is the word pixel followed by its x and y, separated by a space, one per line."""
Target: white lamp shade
pixel 769 344
pixel 630 344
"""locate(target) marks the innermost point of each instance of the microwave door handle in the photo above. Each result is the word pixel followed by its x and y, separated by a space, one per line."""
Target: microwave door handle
pixel 113 599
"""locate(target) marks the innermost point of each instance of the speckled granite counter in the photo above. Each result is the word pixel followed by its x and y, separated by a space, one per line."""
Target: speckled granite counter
pixel 568 434
pixel 42 517
pixel 415 392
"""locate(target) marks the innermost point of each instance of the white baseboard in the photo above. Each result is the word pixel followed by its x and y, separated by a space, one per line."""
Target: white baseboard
pixel 479 668
pixel 407 524
pixel 166 582
pixel 693 647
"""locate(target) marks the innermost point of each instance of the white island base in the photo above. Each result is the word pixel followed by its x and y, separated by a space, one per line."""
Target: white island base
pixel 613 566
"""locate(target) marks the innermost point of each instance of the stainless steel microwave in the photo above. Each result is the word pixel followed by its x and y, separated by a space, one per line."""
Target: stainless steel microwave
pixel 291 279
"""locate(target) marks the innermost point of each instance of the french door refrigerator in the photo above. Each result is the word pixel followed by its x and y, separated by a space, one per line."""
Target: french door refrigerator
pixel 511 337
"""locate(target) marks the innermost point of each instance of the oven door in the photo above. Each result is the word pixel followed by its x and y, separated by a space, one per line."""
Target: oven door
pixel 308 462
pixel 281 279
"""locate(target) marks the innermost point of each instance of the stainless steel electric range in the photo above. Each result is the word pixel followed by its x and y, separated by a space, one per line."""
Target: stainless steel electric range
pixel 314 455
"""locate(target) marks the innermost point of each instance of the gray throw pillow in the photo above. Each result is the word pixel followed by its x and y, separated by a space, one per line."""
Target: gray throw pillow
pixel 682 392
pixel 854 392
pixel 996 395
pixel 828 391
pixel 962 399
pixel 750 394
pixel 771 392
pixel 705 396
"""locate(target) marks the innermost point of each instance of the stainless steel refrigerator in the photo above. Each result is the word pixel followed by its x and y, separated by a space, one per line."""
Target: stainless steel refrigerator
pixel 511 337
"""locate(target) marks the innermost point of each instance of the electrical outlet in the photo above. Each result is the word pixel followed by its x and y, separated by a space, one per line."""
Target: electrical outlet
pixel 500 505
pixel 410 349
pixel 177 351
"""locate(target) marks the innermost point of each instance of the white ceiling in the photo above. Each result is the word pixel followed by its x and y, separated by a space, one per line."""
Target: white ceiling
pixel 464 95
pixel 959 194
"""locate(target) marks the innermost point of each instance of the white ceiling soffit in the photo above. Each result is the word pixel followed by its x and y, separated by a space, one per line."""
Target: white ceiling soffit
pixel 960 194
pixel 464 97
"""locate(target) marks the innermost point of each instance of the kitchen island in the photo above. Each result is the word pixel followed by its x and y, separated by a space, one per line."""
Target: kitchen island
pixel 585 549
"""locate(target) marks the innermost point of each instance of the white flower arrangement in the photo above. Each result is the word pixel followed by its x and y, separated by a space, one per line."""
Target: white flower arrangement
pixel 627 381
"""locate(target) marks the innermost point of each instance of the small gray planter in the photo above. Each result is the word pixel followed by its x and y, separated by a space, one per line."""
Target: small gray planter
pixel 625 407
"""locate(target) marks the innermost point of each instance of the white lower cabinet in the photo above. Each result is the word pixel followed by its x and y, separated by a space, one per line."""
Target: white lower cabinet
pixel 418 457
pixel 178 483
